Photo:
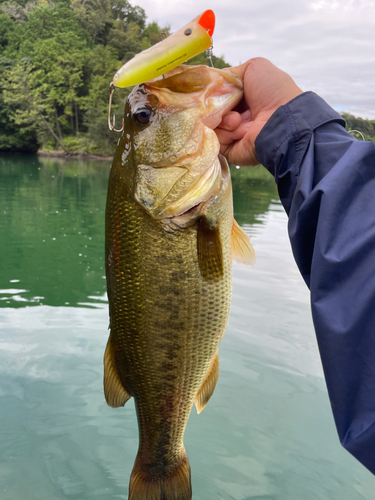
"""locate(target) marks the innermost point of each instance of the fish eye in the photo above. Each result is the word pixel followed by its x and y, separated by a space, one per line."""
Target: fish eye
pixel 143 114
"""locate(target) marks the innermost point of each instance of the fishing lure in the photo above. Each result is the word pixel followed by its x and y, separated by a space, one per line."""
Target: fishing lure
pixel 187 42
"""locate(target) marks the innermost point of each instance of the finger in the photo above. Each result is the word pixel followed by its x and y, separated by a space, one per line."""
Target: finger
pixel 242 150
pixel 239 70
pixel 227 137
pixel 230 121
pixel 243 110
pixel 246 116
pixel 241 153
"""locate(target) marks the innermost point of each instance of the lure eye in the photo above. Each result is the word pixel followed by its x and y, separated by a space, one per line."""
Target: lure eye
pixel 143 114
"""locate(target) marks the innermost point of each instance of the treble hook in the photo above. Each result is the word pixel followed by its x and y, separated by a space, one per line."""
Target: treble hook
pixel 209 53
pixel 358 132
pixel 112 125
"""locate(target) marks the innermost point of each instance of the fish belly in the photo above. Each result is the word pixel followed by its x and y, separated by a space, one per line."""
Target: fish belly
pixel 166 325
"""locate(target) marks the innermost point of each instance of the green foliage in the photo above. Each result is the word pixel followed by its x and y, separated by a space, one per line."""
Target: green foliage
pixel 103 64
pixel 203 58
pixel 12 136
pixel 6 27
pixel 366 127
pixel 95 17
pixel 57 58
pixel 152 33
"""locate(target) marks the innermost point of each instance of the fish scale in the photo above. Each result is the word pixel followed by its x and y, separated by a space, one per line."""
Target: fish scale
pixel 169 289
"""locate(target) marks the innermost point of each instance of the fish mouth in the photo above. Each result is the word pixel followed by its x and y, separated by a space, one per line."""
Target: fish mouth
pixel 185 219
pixel 179 174
pixel 190 215
pixel 219 90
pixel 192 202
pixel 190 210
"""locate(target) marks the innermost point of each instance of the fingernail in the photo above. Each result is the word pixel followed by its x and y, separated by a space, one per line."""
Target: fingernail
pixel 246 116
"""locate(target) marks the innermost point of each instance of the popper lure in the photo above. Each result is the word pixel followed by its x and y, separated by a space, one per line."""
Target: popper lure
pixel 187 42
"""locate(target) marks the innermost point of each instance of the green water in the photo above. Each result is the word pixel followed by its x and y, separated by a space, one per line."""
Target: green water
pixel 267 433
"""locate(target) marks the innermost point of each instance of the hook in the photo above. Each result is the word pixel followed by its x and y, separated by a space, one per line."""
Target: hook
pixel 209 53
pixel 112 125
pixel 357 132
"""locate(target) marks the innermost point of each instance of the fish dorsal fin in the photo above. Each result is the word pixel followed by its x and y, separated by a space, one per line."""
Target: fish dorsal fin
pixel 242 250
pixel 209 384
pixel 114 391
pixel 210 252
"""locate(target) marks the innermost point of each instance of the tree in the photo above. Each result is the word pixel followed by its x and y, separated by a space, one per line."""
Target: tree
pixel 6 26
pixel 203 58
pixel 366 127
pixel 123 11
pixel 102 66
pixel 95 16
pixel 28 109
pixel 13 137
pixel 57 59
pixel 45 86
pixel 152 34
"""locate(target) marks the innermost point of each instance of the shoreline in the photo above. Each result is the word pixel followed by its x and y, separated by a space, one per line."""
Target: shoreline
pixel 61 154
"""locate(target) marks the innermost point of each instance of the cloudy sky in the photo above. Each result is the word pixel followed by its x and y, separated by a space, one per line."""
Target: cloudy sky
pixel 327 46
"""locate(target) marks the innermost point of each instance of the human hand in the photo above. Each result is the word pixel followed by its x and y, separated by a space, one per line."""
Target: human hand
pixel 266 88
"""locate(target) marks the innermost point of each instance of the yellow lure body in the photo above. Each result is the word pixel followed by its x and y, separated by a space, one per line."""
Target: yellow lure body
pixel 187 42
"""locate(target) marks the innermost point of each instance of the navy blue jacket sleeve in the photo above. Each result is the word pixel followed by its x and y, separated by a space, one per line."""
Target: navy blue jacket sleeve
pixel 326 182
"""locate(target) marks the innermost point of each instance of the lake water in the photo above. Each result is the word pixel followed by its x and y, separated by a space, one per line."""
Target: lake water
pixel 267 433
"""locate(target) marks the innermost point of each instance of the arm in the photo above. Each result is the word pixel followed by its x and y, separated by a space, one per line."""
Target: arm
pixel 326 182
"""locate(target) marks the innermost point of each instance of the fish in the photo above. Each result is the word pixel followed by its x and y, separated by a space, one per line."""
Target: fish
pixel 169 244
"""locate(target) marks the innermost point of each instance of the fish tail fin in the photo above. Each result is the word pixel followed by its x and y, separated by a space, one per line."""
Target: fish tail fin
pixel 174 484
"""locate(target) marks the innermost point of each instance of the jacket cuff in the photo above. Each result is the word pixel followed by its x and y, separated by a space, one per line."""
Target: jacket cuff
pixel 290 127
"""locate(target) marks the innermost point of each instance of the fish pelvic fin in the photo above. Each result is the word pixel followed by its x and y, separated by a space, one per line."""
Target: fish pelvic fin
pixel 114 391
pixel 172 484
pixel 242 250
pixel 210 252
pixel 207 388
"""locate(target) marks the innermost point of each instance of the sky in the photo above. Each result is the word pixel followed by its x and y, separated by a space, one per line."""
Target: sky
pixel 327 46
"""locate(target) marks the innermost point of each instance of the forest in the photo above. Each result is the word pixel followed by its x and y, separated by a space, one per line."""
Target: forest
pixel 56 62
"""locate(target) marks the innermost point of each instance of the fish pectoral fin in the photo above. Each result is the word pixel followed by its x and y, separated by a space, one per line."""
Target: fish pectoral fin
pixel 114 391
pixel 209 384
pixel 210 251
pixel 242 250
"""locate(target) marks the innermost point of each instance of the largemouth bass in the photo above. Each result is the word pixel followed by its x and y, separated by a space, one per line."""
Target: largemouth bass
pixel 170 240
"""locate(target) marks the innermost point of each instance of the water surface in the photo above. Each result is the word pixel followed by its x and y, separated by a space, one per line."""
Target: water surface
pixel 267 433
